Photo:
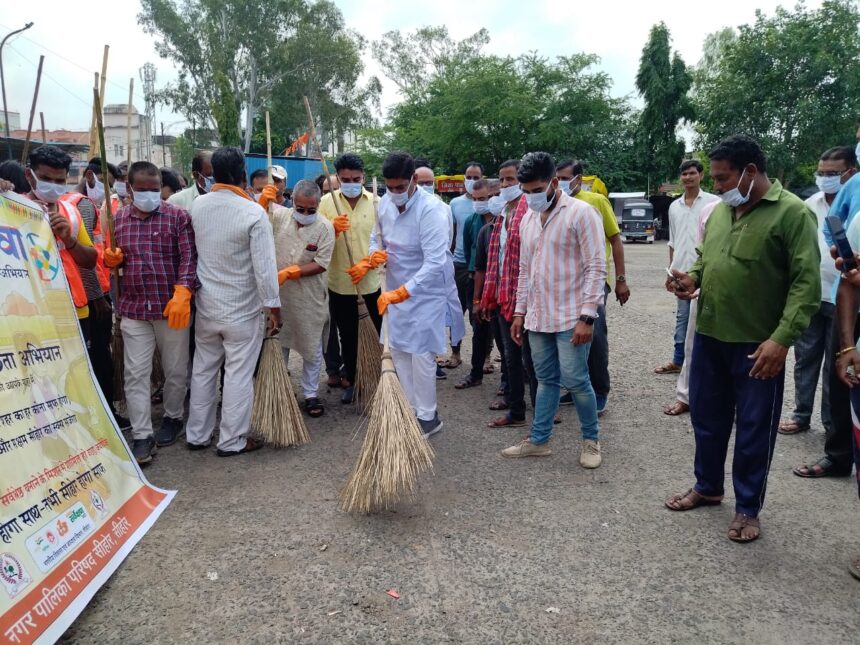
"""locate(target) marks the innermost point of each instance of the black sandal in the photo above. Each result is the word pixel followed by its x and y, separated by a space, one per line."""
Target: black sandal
pixel 824 467
pixel 467 382
pixel 314 407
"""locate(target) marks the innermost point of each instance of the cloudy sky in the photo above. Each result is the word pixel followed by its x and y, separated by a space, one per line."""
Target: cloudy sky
pixel 72 36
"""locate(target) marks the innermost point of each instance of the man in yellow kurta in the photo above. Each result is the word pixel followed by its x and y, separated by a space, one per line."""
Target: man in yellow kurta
pixel 351 210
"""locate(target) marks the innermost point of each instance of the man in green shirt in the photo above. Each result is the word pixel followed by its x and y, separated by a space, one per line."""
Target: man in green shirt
pixel 759 282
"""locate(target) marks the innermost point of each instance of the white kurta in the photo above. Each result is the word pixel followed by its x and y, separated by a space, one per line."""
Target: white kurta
pixel 419 257
pixel 304 302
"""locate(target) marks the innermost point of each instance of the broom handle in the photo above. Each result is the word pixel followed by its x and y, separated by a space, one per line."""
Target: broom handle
pixel 270 209
pixel 100 128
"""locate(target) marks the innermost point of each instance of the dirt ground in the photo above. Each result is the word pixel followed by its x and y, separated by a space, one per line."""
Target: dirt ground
pixel 255 550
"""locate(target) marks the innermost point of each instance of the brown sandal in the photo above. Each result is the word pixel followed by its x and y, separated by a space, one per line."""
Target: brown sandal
pixel 452 363
pixel 673 503
pixel 499 405
pixel 676 409
pixel 668 368
pixel 792 427
pixel 742 522
pixel 506 422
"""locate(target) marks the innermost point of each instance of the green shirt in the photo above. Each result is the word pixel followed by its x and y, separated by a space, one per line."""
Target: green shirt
pixel 759 274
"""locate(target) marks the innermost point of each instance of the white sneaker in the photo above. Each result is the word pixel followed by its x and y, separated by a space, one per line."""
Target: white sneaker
pixel 590 455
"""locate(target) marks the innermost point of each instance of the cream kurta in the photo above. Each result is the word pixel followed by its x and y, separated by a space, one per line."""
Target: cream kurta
pixel 304 302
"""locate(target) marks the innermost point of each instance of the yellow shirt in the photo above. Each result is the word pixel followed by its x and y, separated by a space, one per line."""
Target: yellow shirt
pixel 83 240
pixel 610 224
pixel 362 219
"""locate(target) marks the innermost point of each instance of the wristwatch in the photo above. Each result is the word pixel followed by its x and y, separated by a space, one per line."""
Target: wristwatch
pixel 588 320
pixel 621 278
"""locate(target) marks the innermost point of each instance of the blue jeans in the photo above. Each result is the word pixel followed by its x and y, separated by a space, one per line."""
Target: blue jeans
pixel 682 315
pixel 809 350
pixel 557 363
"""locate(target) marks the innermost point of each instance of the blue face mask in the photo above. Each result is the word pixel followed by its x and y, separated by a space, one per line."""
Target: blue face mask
pixel 208 182
pixel 429 189
pixel 469 184
pixel 733 197
pixel 351 190
pixel 564 185
pixel 119 187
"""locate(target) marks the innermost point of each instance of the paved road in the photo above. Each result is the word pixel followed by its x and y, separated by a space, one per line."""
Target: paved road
pixel 491 545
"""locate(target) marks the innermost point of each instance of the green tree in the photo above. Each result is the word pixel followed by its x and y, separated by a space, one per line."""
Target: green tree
pixel 663 81
pixel 791 81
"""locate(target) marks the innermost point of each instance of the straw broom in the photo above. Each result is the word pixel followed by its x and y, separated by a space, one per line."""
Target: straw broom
pixel 394 451
pixel 275 413
pixel 369 353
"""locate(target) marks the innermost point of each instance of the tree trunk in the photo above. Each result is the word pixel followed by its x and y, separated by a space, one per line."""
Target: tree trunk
pixel 251 106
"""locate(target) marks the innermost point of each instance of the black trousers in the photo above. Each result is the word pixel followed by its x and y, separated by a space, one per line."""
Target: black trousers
pixel 97 334
pixel 344 314
pixel 465 289
pixel 838 444
pixel 515 397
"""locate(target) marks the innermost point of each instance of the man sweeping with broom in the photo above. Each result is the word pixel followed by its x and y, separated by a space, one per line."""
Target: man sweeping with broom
pixel 413 237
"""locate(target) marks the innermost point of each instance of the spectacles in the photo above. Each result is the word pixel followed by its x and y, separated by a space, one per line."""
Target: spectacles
pixel 305 211
pixel 831 173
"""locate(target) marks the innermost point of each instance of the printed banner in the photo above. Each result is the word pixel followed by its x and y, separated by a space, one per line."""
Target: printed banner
pixel 73 502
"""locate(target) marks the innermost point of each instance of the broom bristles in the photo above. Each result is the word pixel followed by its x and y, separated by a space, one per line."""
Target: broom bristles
pixel 369 358
pixel 276 414
pixel 394 451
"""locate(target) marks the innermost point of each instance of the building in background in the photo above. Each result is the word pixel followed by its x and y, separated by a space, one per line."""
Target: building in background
pixel 116 136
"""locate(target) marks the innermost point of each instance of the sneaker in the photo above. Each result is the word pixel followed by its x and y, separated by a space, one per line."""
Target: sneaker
pixel 142 449
pixel 566 399
pixel 122 422
pixel 348 395
pixel 590 455
pixel 601 405
pixel 170 430
pixel 431 427
pixel 526 448
pixel 440 374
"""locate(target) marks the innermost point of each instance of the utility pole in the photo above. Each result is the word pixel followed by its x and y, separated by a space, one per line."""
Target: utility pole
pixel 147 76
pixel 3 83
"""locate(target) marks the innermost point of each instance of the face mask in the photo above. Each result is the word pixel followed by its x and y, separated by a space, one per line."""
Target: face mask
pixel 400 199
pixel 733 197
pixel 857 150
pixel 482 208
pixel 510 193
pixel 304 220
pixel 48 192
pixel 147 201
pixel 496 204
pixel 829 185
pixel 429 189
pixel 257 196
pixel 351 190
pixel 97 192
pixel 564 184
pixel 470 184
pixel 121 192
pixel 538 202
pixel 208 182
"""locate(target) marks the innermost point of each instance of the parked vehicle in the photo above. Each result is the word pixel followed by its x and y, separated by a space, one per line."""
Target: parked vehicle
pixel 637 221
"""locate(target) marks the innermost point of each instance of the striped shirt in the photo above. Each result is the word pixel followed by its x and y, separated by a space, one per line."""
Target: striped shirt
pixel 89 213
pixel 562 266
pixel 236 266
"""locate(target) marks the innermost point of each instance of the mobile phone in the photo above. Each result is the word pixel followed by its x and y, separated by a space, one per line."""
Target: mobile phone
pixel 840 239
pixel 674 279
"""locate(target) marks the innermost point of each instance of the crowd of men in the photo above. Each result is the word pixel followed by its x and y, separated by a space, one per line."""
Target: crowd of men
pixel 204 272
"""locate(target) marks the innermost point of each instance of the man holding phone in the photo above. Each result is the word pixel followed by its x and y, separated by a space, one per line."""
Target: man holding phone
pixel 758 276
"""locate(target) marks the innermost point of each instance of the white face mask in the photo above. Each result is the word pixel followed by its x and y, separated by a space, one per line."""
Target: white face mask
pixel 304 220
pixel 119 187
pixel 538 202
pixel 733 197
pixel 564 185
pixel 510 193
pixel 97 192
pixel 400 199
pixel 497 204
pixel 829 185
pixel 857 150
pixel 428 189
pixel 470 184
pixel 146 201
pixel 482 208
pixel 48 192
pixel 351 190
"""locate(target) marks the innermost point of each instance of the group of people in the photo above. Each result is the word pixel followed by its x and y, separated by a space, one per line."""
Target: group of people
pixel 204 273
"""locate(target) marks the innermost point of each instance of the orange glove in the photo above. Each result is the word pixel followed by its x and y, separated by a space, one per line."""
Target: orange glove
pixel 341 224
pixel 113 257
pixel 178 310
pixel 378 258
pixel 268 196
pixel 360 270
pixel 292 272
pixel 391 298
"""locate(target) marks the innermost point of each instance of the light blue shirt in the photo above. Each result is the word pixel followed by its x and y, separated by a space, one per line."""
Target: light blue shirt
pixel 845 205
pixel 462 208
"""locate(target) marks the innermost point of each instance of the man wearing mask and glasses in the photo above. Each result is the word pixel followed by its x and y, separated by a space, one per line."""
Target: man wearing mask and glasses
pixel 156 251
pixel 201 171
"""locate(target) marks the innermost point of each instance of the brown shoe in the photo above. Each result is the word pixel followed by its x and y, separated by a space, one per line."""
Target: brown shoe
pixel 668 368
pixel 526 448
pixel 251 445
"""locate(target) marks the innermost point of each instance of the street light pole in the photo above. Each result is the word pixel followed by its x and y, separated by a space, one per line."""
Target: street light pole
pixel 3 83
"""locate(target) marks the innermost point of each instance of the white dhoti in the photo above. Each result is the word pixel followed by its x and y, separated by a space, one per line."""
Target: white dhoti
pixel 311 370
pixel 237 346
pixel 140 338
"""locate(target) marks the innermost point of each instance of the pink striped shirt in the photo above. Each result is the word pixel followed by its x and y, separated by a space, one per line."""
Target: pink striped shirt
pixel 562 266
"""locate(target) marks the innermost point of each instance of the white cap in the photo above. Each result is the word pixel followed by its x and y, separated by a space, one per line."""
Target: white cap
pixel 278 172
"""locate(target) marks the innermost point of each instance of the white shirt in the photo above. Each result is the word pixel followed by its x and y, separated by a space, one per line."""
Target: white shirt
pixel 185 197
pixel 829 275
pixel 684 229
pixel 419 258
pixel 236 263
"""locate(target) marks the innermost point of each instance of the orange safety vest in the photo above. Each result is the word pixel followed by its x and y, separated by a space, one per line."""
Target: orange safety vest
pixel 68 207
pixel 99 241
